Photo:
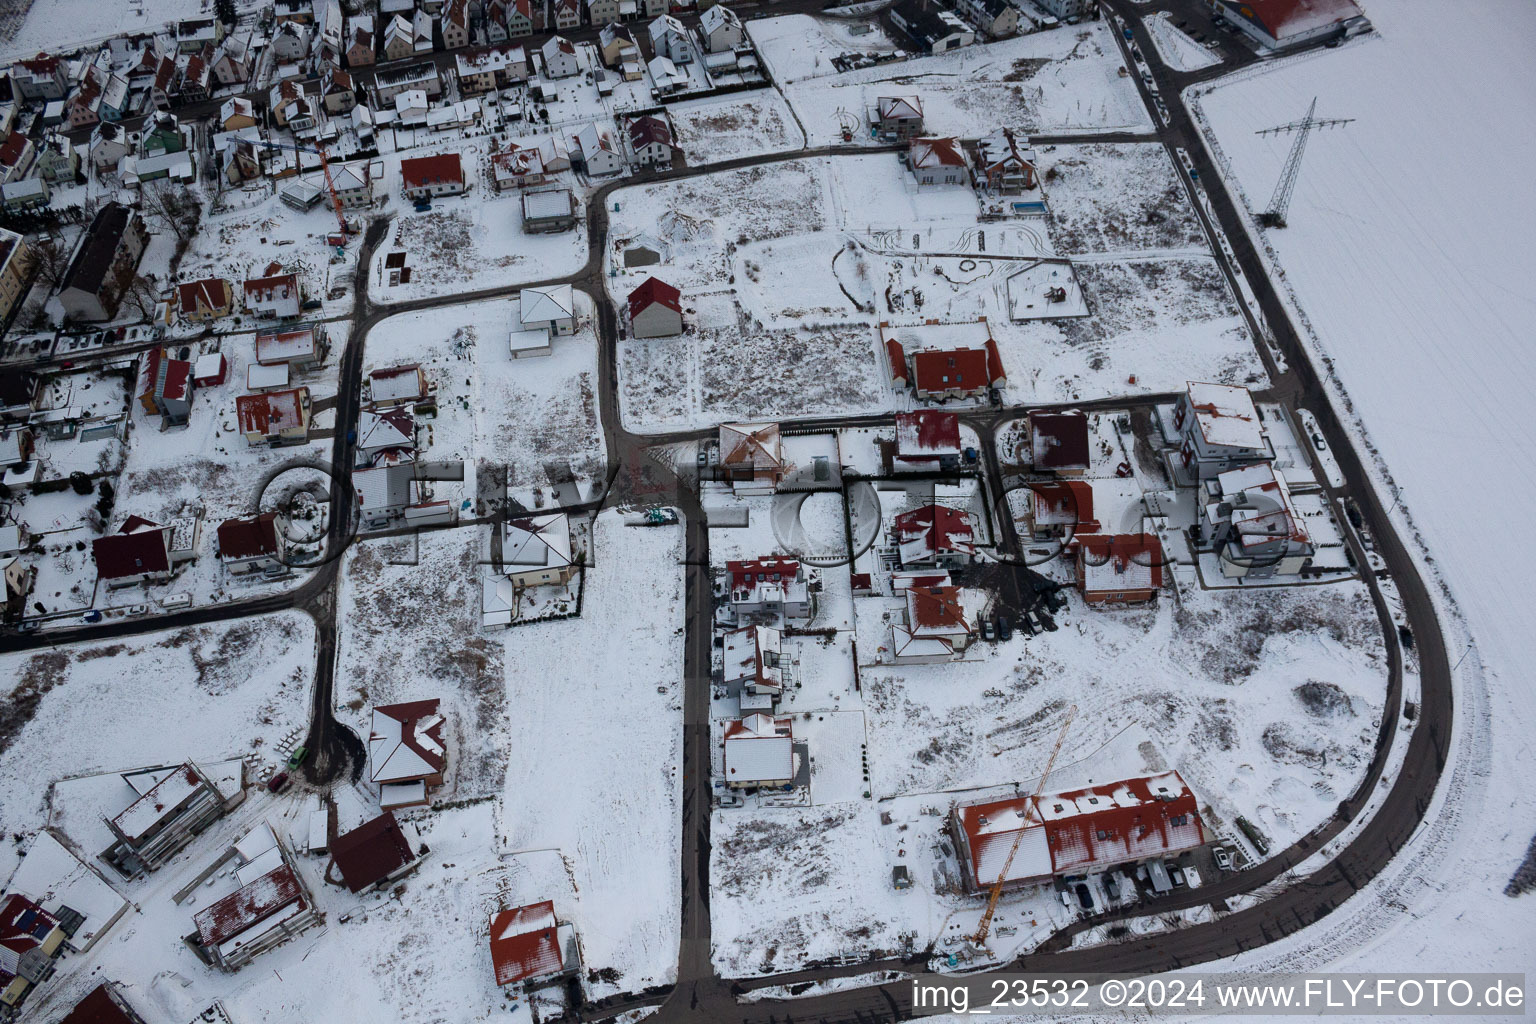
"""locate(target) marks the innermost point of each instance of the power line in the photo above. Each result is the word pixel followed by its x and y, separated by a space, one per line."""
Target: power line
pixel 1280 202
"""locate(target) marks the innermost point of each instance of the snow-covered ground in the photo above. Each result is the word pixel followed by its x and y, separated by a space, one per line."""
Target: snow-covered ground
pixel 740 125
pixel 1062 80
pixel 535 416
pixel 1103 197
pixel 28 27
pixel 1413 280
pixel 1176 48
pixel 244 684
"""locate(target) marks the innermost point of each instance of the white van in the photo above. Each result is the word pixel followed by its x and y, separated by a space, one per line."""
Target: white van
pixel 182 600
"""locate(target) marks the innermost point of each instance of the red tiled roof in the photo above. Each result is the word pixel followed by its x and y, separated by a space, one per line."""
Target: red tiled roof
pixel 936 152
pixel 653 290
pixel 961 369
pixel 431 170
pixel 23 926
pixel 248 906
pixel 1126 549
pixel 1059 439
pixel 525 943
pixel 648 129
pixel 372 852
pixel 1065 503
pixel 937 607
pixel 11 150
pixel 946 529
pixel 898 358
pixel 248 538
pixel 129 553
pixel 177 373
pixel 744 573
pixel 213 292
pixel 927 431
pixel 262 288
pixel 408 713
pixel 98 1007
pixel 270 413
pixel 1288 17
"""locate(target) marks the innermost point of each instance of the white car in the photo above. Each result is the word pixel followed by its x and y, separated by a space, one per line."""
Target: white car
pixel 1222 857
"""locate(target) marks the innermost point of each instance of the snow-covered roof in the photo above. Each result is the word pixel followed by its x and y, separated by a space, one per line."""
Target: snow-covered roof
pixel 405 742
pixel 541 305
pixel 392 428
pixel 161 802
pixel 1226 415
pixel 759 748
pixel 927 434
pixel 248 906
pixel 751 444
pixel 497 601
pixel 397 383
pixel 537 542
pixel 899 107
pixel 525 943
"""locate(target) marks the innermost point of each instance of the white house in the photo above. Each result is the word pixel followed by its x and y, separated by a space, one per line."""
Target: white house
pixel 721 29
pixel 599 156
pixel 559 56
pixel 553 309
pixel 537 551
pixel 670 39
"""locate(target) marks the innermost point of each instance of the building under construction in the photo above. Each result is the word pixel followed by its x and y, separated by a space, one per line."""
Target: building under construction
pixel 1075 832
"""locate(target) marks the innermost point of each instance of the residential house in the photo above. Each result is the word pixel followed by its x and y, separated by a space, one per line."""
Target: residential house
pixel 193 87
pixel 261 915
pixel 58 161
pixel 165 387
pixel 389 84
pixel 1058 442
pixel 1077 832
pixel 163 82
pixel 376 853
pixel 302 11
pixel 1250 522
pixel 30 942
pixel 114 102
pixel 210 370
pixel 108 146
pixel 517 167
pixel 650 139
pixel 927 440
pixel 354 186
pixel 233 60
pixel 103 265
pixel 1003 166
pixel 388 432
pixel 279 296
pixel 290 42
pixel 300 348
pixel 602 12
pixel 406 384
pixel 655 8
pixel 898 118
pixel 384 492
pixel 931 28
pixel 17 154
pixel 407 754
pixel 552 209
pixel 15 272
pixel 936 629
pixel 20 395
pixel 615 44
pixel 754 657
pixel 552 309
pixel 422 24
pixel 655 310
pixel 759 752
pixel 427 176
pixel 330 34
pixel 666 78
pixel 237 113
pixel 559 56
pixel 251 545
pixel 336 92
pixel 1119 569
pixel 768 587
pixel 1068 10
pixel 536 551
pixel 359 52
pixel 721 29
pixel 567 14
pixel 294 105
pixel 518 18
pixel 43 77
pixel 104 1004
pixel 531 947
pixel 598 155
pixel 670 39
pixel 171 807
pixel 1062 509
pixel 997 18
pixel 19 578
pixel 1217 428
pixel 490 67
pixel 399 39
pixel 752 457
pixel 210 298
pixel 934 535
pixel 194 34
pixel 274 418
pixel 455 24
pixel 26 194
pixel 16 449
pixel 937 161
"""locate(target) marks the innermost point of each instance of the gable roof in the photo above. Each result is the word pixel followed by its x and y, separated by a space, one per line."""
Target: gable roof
pixel 248 538
pixel 372 852
pixel 935 152
pixel 248 906
pixel 138 546
pixel 271 412
pixel 653 290
pixel 525 943
pixel 648 129
pixel 431 170
pixel 926 433
pixel 100 1006
pixel 98 249
pixel 213 292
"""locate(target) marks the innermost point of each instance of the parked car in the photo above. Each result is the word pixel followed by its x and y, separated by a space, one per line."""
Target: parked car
pixel 1175 875
pixel 92 616
pixel 1004 628
pixel 297 757
pixel 1066 898
pixel 1222 857
pixel 1111 888
pixel 278 782
pixel 1084 896
pixel 987 632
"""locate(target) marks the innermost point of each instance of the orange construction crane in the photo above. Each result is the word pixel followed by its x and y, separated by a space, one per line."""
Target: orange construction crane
pixel 980 938
pixel 325 168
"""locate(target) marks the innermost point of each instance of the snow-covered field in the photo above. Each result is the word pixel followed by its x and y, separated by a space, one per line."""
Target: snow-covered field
pixel 1062 80
pixel 1104 197
pixel 109 706
pixel 740 125
pixel 1414 280
pixel 27 27
pixel 535 416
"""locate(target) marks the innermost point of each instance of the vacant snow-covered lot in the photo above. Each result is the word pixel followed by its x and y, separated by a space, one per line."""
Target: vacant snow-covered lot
pixel 1103 197
pixel 744 124
pixel 1413 282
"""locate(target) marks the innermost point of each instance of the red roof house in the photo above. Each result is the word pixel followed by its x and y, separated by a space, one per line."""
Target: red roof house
pixel 250 541
pixel 935 535
pixel 1062 506
pixel 406 752
pixel 104 1004
pixel 140 549
pixel 1120 569
pixel 425 176
pixel 29 938
pixel 526 946
pixel 655 310
pixel 958 372
pixel 928 438
pixel 375 852
pixel 207 299
pixel 244 923
pixel 1058 442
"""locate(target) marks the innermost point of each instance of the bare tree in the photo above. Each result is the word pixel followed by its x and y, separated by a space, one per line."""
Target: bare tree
pixel 143 295
pixel 175 208
pixel 52 260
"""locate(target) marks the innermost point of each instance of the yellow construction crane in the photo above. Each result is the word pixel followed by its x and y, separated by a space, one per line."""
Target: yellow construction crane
pixel 980 938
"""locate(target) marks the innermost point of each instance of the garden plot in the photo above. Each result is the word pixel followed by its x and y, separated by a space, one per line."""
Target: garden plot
pixel 243 683
pixel 390 652
pixel 1125 197
pixel 535 417
pixel 1160 321
pixel 595 754
pixel 742 125
pixel 1268 702
pixel 1058 81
